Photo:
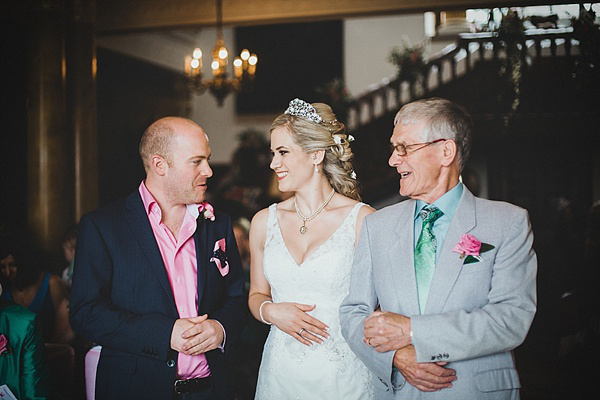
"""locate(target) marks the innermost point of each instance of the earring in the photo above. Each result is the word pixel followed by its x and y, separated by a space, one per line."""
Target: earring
pixel 316 168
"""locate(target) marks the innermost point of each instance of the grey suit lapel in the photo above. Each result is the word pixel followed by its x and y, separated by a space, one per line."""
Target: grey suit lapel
pixel 450 264
pixel 142 230
pixel 401 260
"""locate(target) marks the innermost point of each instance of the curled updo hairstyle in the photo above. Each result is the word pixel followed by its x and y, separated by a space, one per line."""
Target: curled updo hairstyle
pixel 312 136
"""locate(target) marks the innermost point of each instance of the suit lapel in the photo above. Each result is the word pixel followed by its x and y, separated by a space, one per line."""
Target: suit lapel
pixel 202 237
pixel 450 264
pixel 401 260
pixel 138 221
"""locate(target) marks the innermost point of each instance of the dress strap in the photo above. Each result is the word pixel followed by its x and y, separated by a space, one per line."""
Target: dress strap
pixel 271 223
pixel 353 217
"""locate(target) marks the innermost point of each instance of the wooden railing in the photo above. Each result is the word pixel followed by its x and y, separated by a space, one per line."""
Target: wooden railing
pixel 451 63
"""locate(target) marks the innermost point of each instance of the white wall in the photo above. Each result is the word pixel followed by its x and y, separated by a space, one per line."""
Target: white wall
pixel 367 43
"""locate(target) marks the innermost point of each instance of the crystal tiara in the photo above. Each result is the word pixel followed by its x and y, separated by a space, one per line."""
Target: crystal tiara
pixel 303 109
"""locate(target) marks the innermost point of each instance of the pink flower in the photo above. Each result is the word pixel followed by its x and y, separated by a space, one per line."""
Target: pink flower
pixel 209 211
pixel 471 248
pixel 468 245
pixel 3 343
pixel 220 257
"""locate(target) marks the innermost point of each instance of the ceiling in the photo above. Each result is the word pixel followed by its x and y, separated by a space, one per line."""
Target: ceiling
pixel 115 16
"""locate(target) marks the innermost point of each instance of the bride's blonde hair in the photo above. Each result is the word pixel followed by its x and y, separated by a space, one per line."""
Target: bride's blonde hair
pixel 328 135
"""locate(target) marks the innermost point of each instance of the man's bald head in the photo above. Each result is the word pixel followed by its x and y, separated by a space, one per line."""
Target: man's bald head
pixel 159 138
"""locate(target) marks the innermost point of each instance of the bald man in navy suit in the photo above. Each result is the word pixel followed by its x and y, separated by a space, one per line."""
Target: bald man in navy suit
pixel 158 280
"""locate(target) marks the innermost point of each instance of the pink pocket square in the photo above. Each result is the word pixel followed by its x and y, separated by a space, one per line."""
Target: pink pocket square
pixel 220 258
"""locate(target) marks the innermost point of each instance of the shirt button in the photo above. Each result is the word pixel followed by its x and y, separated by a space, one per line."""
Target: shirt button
pixel 180 372
pixel 181 309
pixel 179 279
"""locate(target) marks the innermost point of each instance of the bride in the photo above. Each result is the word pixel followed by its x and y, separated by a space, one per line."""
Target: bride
pixel 301 256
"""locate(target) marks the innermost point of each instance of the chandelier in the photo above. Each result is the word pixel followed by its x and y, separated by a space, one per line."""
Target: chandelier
pixel 220 85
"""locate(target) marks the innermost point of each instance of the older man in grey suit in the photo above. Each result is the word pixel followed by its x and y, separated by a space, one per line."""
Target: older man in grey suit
pixel 443 284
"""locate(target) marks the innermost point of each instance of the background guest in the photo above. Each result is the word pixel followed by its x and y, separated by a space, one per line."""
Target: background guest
pixel 68 246
pixel 23 365
pixel 41 292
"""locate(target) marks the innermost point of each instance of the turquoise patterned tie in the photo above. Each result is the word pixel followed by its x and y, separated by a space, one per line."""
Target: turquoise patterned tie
pixel 425 253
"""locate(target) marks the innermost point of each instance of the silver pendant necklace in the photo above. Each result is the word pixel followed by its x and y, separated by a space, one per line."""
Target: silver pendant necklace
pixel 304 218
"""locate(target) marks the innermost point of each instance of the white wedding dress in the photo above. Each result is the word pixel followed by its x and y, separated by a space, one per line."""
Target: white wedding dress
pixel 290 369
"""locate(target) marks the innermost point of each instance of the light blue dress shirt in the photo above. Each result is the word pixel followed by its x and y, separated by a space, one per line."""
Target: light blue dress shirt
pixel 447 203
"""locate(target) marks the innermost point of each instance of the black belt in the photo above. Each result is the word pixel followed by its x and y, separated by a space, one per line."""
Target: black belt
pixel 191 385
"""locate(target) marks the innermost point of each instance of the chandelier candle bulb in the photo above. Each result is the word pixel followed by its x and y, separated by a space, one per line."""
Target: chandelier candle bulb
pixel 252 61
pixel 197 54
pixel 196 65
pixel 237 67
pixel 187 66
pixel 223 54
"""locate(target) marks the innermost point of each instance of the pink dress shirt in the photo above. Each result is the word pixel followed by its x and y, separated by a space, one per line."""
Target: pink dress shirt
pixel 179 257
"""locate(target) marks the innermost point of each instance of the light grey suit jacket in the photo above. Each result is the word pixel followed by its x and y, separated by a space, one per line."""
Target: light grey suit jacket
pixel 476 314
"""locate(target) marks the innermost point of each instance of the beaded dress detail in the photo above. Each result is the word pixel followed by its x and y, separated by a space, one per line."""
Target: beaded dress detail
pixel 289 369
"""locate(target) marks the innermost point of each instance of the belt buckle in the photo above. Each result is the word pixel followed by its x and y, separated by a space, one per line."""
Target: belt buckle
pixel 180 384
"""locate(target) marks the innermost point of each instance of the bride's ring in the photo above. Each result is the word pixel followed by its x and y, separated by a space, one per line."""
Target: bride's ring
pixel 300 332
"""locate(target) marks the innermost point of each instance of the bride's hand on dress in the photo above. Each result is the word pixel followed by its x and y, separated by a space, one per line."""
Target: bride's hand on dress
pixel 292 318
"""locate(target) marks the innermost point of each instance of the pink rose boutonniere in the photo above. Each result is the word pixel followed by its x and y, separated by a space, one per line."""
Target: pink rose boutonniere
pixel 471 248
pixel 207 210
pixel 4 348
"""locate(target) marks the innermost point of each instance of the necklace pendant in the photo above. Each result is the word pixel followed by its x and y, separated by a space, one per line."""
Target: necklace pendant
pixel 303 229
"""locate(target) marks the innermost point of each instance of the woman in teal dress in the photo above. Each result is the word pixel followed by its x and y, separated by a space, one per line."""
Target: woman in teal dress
pixel 23 366
pixel 40 292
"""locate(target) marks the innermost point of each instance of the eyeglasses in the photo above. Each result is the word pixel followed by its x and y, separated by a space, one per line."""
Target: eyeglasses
pixel 403 150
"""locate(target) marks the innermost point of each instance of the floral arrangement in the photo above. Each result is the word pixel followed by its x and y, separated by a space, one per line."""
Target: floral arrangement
pixel 409 59
pixel 511 27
